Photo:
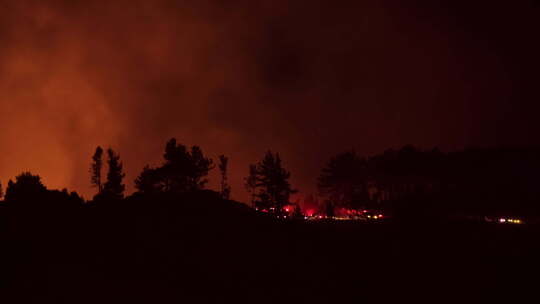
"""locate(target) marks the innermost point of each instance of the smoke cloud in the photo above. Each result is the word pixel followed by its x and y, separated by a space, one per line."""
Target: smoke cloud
pixel 307 79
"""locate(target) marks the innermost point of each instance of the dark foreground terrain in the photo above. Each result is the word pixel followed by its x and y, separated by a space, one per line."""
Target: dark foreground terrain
pixel 198 248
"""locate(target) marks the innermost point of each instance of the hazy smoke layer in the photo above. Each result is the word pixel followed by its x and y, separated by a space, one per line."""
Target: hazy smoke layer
pixel 304 78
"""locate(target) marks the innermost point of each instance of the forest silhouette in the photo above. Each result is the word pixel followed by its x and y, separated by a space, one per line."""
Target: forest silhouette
pixel 173 240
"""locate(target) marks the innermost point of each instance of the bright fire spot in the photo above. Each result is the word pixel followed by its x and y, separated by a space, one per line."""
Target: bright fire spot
pixel 512 221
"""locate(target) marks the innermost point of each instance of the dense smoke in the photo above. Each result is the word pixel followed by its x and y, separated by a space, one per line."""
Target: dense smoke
pixel 307 79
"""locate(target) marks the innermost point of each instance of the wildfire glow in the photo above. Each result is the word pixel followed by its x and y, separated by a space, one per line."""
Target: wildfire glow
pixel 512 221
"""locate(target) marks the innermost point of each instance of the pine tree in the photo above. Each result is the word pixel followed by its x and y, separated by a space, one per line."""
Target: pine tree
pixel 225 188
pixel 250 183
pixel 182 171
pixel 344 181
pixel 199 168
pixel 149 181
pixel 272 186
pixel 95 169
pixel 328 209
pixel 26 187
pixel 297 213
pixel 114 188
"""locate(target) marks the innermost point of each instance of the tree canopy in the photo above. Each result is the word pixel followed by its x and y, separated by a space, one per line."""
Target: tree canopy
pixel 26 187
pixel 182 171
pixel 270 183
pixel 95 169
pixel 223 168
pixel 114 187
pixel 344 180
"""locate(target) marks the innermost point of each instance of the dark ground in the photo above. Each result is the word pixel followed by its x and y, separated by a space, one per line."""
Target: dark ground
pixel 200 249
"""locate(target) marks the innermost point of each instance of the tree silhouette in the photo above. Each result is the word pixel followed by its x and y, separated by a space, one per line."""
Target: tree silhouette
pixel 175 170
pixel 95 169
pixel 272 183
pixel 26 187
pixel 149 181
pixel 182 171
pixel 250 183
pixel 329 208
pixel 200 166
pixel 401 174
pixel 114 188
pixel 344 181
pixel 1 191
pixel 225 188
pixel 297 213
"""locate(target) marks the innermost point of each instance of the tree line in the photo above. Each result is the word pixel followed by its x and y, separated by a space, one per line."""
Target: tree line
pixel 347 181
pixel 185 169
pixel 471 181
pixel 182 170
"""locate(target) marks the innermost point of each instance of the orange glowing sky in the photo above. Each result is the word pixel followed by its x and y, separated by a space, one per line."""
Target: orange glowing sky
pixel 304 78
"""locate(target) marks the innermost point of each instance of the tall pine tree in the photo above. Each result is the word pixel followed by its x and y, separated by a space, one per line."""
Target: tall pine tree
pixel 250 183
pixel 223 167
pixel 273 189
pixel 114 188
pixel 95 169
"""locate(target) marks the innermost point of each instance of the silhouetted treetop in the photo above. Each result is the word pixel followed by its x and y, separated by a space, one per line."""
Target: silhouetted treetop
pixel 114 187
pixel 150 181
pixel 250 183
pixel 344 180
pixel 223 168
pixel 272 188
pixel 95 169
pixel 26 187
pixel 182 171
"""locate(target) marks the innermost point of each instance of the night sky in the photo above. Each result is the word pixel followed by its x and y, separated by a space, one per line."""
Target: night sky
pixel 307 79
